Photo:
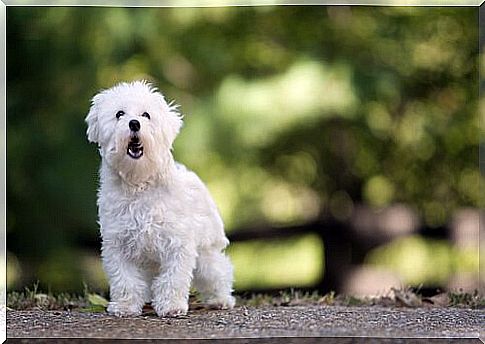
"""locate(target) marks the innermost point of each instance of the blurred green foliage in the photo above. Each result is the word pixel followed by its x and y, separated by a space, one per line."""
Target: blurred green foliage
pixel 295 262
pixel 290 112
pixel 419 260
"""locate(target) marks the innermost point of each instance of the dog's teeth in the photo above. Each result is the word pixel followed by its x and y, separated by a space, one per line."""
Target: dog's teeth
pixel 135 150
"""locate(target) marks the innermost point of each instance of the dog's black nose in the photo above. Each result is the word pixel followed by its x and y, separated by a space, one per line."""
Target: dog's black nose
pixel 134 125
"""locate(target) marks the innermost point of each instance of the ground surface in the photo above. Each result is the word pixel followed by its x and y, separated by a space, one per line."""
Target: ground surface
pixel 267 321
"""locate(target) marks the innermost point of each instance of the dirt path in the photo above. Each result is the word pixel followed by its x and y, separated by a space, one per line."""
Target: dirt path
pixel 306 321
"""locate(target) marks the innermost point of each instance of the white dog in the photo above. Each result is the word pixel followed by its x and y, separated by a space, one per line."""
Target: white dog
pixel 160 228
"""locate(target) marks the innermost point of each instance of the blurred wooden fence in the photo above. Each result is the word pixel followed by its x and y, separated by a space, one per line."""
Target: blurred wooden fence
pixel 347 243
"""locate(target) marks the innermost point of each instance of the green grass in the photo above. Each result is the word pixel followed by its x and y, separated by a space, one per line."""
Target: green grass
pixel 403 297
pixel 474 300
pixel 32 298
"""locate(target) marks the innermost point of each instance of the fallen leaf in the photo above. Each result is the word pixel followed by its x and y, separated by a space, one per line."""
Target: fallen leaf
pixel 407 298
pixel 441 300
pixel 97 300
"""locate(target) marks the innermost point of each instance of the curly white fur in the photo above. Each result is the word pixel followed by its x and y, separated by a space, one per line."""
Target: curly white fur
pixel 160 228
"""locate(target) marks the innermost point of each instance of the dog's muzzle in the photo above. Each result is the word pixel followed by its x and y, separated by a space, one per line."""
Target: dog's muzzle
pixel 135 148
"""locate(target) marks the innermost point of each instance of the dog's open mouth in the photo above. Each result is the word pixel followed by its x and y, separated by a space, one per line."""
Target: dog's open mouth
pixel 135 148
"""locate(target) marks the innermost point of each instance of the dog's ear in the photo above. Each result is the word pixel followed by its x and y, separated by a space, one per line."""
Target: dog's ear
pixel 173 122
pixel 92 120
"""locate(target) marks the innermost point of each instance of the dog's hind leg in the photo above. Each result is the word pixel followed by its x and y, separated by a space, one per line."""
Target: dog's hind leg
pixel 213 278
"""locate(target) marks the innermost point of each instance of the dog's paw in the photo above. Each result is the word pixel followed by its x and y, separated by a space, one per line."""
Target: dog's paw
pixel 123 309
pixel 221 302
pixel 170 309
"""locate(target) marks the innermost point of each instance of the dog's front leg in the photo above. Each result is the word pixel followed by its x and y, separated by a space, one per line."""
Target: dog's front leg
pixel 170 289
pixel 127 287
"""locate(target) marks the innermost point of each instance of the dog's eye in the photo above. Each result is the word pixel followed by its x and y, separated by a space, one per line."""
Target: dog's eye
pixel 119 114
pixel 146 114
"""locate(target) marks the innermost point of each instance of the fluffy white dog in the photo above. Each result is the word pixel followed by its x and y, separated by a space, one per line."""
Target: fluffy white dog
pixel 160 228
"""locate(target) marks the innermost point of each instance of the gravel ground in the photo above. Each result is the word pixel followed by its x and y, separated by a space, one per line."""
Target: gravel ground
pixel 250 322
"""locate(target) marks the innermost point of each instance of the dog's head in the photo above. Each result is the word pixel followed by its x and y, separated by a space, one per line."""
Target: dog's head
pixel 134 128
